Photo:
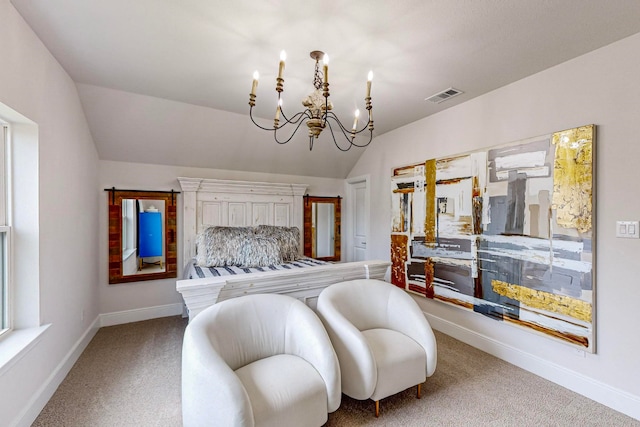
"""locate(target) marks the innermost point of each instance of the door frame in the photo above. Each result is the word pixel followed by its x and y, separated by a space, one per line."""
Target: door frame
pixel 349 217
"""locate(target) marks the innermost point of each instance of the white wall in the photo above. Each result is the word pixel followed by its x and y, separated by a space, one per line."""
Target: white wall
pixel 35 85
pixel 602 87
pixel 137 298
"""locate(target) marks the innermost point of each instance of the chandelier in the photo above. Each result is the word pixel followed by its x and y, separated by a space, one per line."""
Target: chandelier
pixel 317 112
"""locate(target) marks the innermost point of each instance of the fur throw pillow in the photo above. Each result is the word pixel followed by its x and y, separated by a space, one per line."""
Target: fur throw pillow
pixel 258 246
pixel 220 246
pixel 260 251
pixel 288 239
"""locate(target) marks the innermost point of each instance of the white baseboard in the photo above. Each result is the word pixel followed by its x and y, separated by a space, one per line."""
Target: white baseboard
pixel 139 314
pixel 600 392
pixel 40 399
pixel 44 393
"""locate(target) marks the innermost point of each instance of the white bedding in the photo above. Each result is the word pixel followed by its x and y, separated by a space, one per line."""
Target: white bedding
pixel 195 271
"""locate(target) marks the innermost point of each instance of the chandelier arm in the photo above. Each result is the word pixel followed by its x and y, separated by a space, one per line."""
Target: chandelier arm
pixel 366 125
pixel 344 129
pixel 275 134
pixel 364 145
pixel 328 123
pixel 254 122
pixel 332 115
pixel 347 133
pixel 296 117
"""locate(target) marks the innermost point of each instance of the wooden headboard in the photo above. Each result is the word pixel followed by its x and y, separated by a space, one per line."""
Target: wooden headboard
pixel 210 202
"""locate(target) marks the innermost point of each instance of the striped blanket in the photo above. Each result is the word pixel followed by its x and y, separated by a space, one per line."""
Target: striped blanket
pixel 195 271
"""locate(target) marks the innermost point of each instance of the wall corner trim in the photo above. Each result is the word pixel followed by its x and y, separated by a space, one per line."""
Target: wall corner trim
pixel 48 388
pixel 140 314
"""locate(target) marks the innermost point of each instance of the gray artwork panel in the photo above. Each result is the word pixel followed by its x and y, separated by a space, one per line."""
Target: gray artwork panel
pixel 495 266
pixel 542 145
pixel 565 254
pixel 516 203
pixel 586 241
pixel 445 248
pixel 558 280
pixel 498 218
pixel 455 277
pixel 415 272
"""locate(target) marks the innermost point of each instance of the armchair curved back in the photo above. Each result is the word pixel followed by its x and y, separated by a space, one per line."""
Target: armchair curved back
pixel 370 304
pixel 367 304
pixel 243 330
pixel 237 332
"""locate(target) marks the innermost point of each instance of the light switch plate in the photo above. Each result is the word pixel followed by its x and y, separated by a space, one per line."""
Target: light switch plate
pixel 628 229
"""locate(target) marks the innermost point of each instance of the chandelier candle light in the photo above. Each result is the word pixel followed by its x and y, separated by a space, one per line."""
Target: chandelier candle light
pixel 317 113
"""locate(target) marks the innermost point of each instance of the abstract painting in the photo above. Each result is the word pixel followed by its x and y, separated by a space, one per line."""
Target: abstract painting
pixel 506 232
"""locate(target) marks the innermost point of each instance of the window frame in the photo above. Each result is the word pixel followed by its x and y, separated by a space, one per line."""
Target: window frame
pixel 6 318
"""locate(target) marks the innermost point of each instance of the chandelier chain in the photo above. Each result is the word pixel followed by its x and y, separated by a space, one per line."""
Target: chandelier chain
pixel 317 76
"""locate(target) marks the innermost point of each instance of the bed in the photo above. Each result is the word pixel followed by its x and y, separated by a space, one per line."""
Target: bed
pixel 215 203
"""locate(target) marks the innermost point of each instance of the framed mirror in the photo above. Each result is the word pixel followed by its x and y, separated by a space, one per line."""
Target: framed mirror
pixel 142 235
pixel 322 227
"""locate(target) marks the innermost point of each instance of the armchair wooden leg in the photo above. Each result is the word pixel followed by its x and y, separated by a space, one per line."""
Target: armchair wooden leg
pixel 419 387
pixel 377 408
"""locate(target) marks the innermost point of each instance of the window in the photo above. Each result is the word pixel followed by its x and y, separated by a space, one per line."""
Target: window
pixel 128 228
pixel 5 323
pixel 20 321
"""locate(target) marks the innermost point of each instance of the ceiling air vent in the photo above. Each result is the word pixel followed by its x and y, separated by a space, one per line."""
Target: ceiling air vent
pixel 444 95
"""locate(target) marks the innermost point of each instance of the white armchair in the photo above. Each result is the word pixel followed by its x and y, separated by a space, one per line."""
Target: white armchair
pixel 382 339
pixel 258 360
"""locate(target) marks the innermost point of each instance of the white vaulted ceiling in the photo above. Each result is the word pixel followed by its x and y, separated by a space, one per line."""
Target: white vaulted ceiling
pixel 167 81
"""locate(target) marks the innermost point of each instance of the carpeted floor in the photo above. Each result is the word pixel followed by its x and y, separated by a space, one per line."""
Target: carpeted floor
pixel 129 375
